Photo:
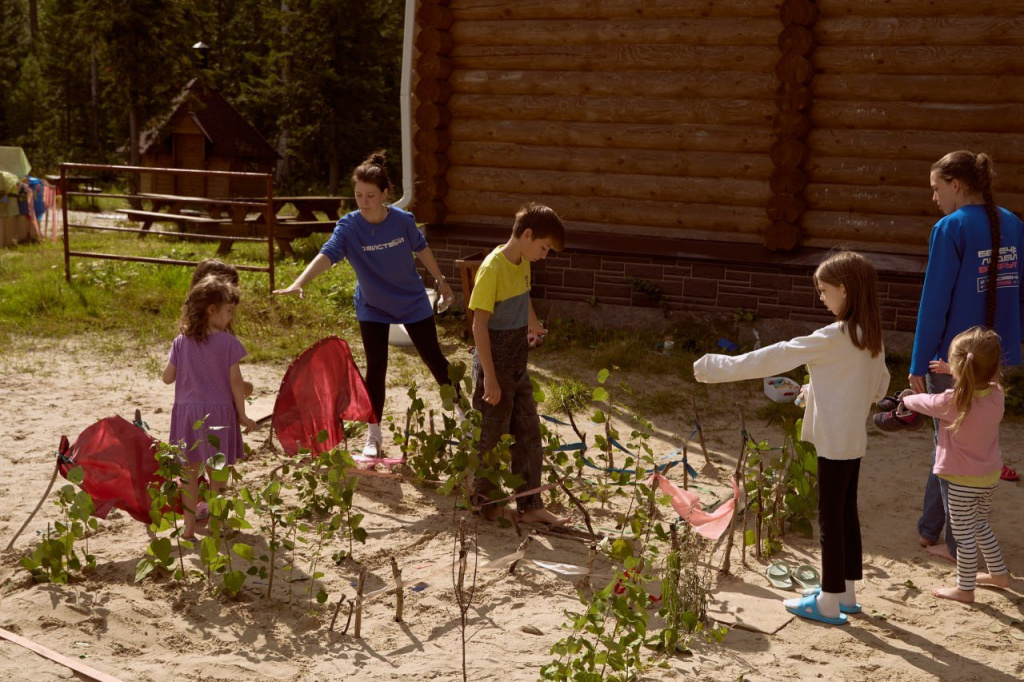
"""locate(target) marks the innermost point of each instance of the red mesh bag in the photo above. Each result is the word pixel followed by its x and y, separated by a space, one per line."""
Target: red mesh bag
pixel 118 460
pixel 321 389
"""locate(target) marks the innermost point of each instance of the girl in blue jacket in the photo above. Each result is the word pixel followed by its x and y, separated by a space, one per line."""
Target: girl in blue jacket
pixel 967 283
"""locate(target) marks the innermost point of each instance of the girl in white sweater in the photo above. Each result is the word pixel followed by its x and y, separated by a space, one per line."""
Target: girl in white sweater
pixel 846 363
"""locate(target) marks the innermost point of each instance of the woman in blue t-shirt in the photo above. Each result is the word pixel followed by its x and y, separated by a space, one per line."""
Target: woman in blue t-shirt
pixel 379 242
pixel 967 283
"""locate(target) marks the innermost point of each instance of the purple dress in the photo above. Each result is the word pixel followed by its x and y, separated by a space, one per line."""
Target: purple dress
pixel 202 391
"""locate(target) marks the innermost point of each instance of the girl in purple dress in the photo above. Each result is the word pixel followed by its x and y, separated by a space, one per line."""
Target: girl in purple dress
pixel 208 386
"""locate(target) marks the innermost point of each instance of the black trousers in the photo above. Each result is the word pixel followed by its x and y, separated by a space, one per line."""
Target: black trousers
pixel 839 523
pixel 375 344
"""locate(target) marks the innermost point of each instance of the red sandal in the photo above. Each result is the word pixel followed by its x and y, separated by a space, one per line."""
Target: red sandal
pixel 1009 474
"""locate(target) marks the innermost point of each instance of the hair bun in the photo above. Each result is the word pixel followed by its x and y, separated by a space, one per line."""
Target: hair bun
pixel 377 158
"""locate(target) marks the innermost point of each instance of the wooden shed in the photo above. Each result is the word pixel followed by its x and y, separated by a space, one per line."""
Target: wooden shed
pixel 203 131
pixel 708 151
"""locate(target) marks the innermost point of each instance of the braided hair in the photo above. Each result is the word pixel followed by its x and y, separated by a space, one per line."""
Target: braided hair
pixel 975 172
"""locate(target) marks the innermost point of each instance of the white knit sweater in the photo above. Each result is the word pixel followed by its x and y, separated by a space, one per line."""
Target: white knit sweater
pixel 845 380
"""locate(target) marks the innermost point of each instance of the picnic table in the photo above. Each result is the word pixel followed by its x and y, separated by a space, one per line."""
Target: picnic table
pixel 238 218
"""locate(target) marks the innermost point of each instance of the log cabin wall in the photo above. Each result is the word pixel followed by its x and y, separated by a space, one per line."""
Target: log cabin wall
pixel 683 139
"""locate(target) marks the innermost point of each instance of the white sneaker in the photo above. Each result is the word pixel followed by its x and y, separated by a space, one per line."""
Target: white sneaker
pixel 373 441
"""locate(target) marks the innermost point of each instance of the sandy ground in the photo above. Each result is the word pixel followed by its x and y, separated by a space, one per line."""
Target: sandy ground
pixel 161 630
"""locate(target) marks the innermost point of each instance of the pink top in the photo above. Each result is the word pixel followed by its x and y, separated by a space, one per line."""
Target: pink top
pixel 974 449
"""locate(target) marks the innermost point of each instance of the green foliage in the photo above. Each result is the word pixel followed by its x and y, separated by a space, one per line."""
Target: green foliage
pixel 55 558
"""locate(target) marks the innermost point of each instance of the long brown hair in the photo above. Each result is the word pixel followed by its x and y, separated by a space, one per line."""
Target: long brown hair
pixel 861 317
pixel 976 173
pixel 195 313
pixel 974 360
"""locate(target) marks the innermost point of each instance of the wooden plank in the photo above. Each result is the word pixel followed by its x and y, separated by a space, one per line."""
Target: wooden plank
pixel 609 9
pixel 726 191
pixel 61 659
pixel 842 226
pixel 931 30
pixel 685 137
pixel 922 59
pixel 613 211
pixel 986 118
pixel 894 201
pixel 927 147
pixel 584 30
pixel 759 59
pixel 905 9
pixel 656 84
pixel 613 109
pixel 578 227
pixel 604 160
pixel 911 173
pixel 938 89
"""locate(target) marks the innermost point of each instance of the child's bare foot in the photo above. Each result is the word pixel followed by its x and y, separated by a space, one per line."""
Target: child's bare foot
pixel 994 579
pixel 954 593
pixel 924 542
pixel 494 512
pixel 542 515
pixel 940 551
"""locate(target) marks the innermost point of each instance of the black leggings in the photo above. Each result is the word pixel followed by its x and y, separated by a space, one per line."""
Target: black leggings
pixel 375 344
pixel 839 523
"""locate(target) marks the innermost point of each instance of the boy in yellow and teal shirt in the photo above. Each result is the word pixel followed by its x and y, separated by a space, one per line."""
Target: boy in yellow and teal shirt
pixel 503 316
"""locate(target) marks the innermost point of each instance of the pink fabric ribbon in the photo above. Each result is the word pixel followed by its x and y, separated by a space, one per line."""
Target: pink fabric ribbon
pixel 687 504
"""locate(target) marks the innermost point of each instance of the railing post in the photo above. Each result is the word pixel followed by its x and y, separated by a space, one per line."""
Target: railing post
pixel 63 189
pixel 271 220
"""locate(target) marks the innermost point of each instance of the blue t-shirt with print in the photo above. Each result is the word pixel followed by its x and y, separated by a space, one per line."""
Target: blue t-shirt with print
pixel 389 289
pixel 955 293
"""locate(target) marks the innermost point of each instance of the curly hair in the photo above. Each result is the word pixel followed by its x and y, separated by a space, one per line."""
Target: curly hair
pixel 195 313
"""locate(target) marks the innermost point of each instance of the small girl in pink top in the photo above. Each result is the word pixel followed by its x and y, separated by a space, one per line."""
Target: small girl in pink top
pixel 967 454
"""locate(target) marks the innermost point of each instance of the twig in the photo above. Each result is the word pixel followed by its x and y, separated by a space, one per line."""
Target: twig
pixel 686 473
pixel 334 618
pixel 522 548
pixel 463 600
pixel 585 584
pixel 34 511
pixel 399 590
pixel 726 563
pixel 700 431
pixel 357 633
pixel 579 505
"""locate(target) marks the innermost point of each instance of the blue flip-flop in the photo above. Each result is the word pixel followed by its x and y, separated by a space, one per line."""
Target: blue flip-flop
pixel 856 608
pixel 807 608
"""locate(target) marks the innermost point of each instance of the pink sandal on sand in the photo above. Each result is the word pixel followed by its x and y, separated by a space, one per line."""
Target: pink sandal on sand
pixel 1009 474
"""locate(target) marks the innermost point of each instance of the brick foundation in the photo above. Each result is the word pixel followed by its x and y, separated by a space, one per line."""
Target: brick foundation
pixel 697 277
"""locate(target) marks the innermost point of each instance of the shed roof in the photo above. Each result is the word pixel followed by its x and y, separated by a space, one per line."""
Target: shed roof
pixel 226 130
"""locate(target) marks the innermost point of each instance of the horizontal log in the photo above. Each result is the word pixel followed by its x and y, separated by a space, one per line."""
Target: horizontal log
pixel 429 115
pixel 616 57
pixel 432 90
pixel 800 12
pixel 434 41
pixel 431 141
pixel 576 229
pixel 615 135
pixel 939 89
pixel 989 118
pixel 786 207
pixel 609 9
pixel 612 211
pixel 656 84
pixel 433 66
pixel 434 15
pixel 915 8
pixel 927 147
pixel 950 60
pixel 909 173
pixel 728 191
pixel 552 32
pixel 894 201
pixel 613 109
pixel 605 160
pixel 842 227
pixel 932 30
pixel 782 236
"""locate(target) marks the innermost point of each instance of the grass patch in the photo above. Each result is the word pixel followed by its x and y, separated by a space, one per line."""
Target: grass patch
pixel 135 305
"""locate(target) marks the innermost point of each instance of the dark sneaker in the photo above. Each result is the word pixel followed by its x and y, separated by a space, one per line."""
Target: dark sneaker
pixel 891 402
pixel 899 419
